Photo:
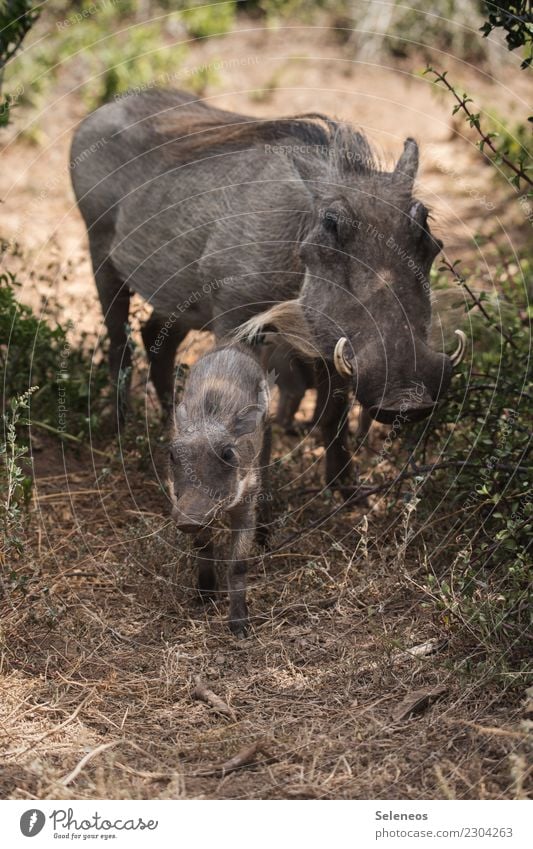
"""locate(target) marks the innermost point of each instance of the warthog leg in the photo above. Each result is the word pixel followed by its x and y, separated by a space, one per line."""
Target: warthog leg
pixel 115 301
pixel 331 414
pixel 161 341
pixel 365 423
pixel 288 406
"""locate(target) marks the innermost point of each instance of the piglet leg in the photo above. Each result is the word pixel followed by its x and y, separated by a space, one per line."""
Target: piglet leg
pixel 204 554
pixel 243 523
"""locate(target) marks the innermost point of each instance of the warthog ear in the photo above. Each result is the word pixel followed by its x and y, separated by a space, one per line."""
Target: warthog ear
pixel 407 165
pixel 247 420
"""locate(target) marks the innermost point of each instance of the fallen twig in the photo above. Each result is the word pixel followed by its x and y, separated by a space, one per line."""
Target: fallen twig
pixel 424 649
pixel 418 701
pixel 68 779
pixel 244 758
pixel 204 694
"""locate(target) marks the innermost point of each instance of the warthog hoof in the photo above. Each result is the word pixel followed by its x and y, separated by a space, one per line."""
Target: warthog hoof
pixel 356 494
pixel 262 534
pixel 239 625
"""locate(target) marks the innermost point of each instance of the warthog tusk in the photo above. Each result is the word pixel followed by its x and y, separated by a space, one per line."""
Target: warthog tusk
pixel 341 363
pixel 459 352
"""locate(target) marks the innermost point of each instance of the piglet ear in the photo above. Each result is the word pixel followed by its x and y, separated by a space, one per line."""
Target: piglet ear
pixel 180 415
pixel 247 420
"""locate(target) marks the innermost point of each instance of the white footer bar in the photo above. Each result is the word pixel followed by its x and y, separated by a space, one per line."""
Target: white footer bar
pixel 268 824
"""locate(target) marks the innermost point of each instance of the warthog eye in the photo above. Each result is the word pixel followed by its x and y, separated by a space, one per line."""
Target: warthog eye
pixel 228 455
pixel 339 221
pixel 331 220
pixel 173 457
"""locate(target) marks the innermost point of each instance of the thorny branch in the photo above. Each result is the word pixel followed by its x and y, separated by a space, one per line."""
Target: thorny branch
pixel 363 492
pixel 473 119
pixel 452 268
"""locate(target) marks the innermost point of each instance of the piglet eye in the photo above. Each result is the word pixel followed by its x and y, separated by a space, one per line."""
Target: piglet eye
pixel 228 455
pixel 173 457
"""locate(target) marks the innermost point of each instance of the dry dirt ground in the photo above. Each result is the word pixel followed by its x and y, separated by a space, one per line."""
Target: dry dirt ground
pixel 101 651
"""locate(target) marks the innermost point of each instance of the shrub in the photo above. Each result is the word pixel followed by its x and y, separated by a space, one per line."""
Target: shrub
pixel 16 19
pixel 478 502
pixel 15 484
pixel 408 27
pixel 478 506
pixel 204 21
pixel 114 53
pixel 35 353
pixel 514 17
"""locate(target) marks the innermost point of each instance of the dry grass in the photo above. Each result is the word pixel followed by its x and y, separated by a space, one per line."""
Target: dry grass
pixel 103 640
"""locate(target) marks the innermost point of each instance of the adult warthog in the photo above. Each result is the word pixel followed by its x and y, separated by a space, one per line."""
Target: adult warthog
pixel 213 217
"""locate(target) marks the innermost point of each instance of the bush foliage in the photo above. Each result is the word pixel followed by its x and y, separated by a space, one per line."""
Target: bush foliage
pixel 16 19
pixel 478 506
pixel 476 513
pixel 37 354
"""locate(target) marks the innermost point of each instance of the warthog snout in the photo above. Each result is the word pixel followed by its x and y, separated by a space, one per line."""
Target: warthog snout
pixel 404 381
pixel 402 408
pixel 414 399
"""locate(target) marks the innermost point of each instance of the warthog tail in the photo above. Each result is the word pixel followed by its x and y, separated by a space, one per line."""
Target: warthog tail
pixel 286 318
